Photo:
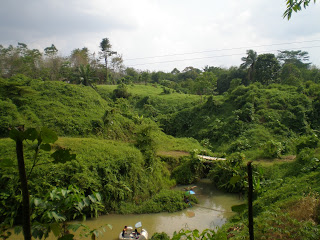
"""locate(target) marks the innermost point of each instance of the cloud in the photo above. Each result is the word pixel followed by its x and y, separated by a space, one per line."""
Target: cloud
pixel 144 28
pixel 45 19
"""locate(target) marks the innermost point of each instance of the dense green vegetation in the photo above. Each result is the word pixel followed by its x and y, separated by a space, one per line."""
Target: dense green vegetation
pixel 138 137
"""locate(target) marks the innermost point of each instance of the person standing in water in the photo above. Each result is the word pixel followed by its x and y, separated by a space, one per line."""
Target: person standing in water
pixel 124 231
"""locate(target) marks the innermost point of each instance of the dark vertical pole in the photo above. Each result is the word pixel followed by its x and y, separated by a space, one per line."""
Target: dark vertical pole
pixel 25 191
pixel 250 199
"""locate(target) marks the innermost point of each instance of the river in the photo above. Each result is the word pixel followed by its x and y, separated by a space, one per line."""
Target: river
pixel 212 211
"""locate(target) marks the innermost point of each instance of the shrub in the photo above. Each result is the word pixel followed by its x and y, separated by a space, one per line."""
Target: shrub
pixel 307 142
pixel 121 91
pixel 223 171
pixel 160 236
pixel 188 171
pixel 272 149
pixel 164 201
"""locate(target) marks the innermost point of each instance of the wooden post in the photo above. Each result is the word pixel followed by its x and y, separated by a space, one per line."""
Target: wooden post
pixel 250 200
pixel 25 191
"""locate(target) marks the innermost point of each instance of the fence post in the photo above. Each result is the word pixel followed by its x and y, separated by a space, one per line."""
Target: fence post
pixel 250 199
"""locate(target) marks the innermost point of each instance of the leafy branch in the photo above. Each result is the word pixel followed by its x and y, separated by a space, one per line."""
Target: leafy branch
pixel 295 5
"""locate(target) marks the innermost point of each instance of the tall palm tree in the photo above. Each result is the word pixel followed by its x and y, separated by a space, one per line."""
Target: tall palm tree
pixel 249 63
pixel 106 52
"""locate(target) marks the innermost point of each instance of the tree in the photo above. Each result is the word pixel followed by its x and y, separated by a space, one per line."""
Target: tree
pixel 175 71
pixel 52 63
pixel 145 77
pixel 236 82
pixel 294 57
pixel 205 83
pixel 225 76
pixel 290 75
pixel 156 77
pixel 51 51
pixel 267 69
pixel 106 52
pixel 44 138
pixel 20 59
pixel 249 63
pixel 189 72
pixel 79 57
pixel 132 75
pixel 295 5
pixel 117 67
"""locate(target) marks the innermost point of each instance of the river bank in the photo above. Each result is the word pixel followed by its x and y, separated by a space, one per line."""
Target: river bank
pixel 212 211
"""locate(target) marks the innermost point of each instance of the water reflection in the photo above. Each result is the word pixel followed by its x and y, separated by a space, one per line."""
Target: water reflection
pixel 213 210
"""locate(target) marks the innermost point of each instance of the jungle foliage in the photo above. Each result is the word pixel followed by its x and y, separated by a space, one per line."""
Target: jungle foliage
pixel 264 110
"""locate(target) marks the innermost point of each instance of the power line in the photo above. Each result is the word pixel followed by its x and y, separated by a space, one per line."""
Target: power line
pixel 217 56
pixel 218 50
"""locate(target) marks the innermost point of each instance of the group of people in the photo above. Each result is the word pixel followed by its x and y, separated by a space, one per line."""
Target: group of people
pixel 135 233
pixel 186 198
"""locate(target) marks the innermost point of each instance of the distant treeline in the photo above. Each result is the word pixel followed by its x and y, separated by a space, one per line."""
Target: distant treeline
pixel 106 67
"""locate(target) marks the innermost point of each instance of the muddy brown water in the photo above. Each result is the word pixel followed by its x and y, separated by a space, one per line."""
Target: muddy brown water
pixel 212 211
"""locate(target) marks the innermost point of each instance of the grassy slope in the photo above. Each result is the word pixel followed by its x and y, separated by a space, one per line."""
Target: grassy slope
pixel 67 109
pixel 155 92
pixel 149 100
pixel 76 110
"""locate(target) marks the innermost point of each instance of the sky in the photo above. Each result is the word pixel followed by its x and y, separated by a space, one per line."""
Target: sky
pixel 160 35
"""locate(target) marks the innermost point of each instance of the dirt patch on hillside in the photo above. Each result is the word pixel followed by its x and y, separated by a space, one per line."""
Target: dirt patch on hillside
pixel 283 159
pixel 175 154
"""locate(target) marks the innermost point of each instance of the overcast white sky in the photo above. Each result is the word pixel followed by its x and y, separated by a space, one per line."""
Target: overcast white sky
pixel 194 32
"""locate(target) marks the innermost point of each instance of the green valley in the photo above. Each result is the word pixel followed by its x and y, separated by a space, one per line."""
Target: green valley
pixel 125 138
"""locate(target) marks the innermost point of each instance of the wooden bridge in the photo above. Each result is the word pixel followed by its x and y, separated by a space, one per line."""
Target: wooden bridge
pixel 208 158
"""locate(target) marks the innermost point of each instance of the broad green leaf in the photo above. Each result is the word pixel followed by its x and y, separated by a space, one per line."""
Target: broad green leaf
pixel 235 179
pixel 16 134
pixel 98 196
pixel 31 134
pixel 80 206
pixel 74 227
pixel 45 147
pixel 56 229
pixel 239 208
pixel 92 198
pixel 58 217
pixel 17 230
pixel 64 192
pixel 37 233
pixel 86 201
pixel 48 136
pixel 96 233
pixel 37 201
